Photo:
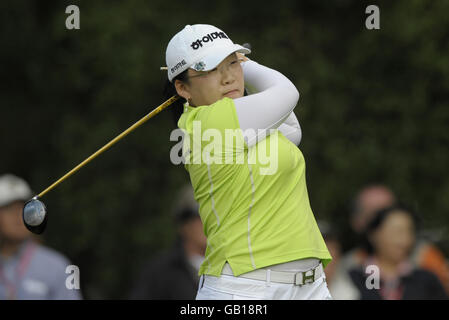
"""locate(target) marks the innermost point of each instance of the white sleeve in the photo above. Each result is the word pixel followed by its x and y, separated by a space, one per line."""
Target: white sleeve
pixel 291 129
pixel 273 102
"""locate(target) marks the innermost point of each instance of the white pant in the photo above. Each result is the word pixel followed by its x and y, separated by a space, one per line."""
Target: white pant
pixel 228 287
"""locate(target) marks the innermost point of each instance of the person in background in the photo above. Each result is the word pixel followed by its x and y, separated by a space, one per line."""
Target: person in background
pixel 390 237
pixel 28 270
pixel 427 256
pixel 173 274
pixel 331 239
pixel 368 200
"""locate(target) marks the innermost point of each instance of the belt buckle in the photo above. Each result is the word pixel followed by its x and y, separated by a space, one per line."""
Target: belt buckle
pixel 305 278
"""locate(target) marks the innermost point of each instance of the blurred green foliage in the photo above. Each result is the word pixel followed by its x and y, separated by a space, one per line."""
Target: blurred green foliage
pixel 374 107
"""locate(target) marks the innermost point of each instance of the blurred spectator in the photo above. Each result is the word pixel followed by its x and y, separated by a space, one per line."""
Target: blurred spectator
pixel 390 237
pixel 28 270
pixel 333 245
pixel 429 257
pixel 338 281
pixel 173 275
pixel 369 200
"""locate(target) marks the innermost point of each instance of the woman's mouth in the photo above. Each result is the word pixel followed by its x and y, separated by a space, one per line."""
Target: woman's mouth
pixel 232 93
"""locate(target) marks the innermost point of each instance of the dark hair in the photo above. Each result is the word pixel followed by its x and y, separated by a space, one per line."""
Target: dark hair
pixel 185 215
pixel 177 107
pixel 379 218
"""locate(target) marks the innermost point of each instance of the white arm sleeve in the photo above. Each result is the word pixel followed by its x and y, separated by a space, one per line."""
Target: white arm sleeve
pixel 267 109
pixel 291 129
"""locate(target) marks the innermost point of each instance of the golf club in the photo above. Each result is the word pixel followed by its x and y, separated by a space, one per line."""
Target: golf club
pixel 34 211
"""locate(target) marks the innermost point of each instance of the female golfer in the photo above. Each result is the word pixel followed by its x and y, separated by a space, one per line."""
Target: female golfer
pixel 240 150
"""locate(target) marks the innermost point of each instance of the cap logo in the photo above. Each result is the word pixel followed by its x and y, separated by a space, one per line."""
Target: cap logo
pixel 208 37
pixel 178 65
pixel 199 66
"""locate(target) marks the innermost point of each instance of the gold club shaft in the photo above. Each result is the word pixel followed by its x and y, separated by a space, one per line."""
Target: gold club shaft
pixel 112 142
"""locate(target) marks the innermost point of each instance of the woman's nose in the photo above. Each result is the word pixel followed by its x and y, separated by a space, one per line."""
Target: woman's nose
pixel 227 77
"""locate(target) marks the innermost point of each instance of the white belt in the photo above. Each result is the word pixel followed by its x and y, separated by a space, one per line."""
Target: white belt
pixel 297 278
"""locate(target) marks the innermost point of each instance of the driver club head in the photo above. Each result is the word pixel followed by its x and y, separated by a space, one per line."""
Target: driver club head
pixel 35 215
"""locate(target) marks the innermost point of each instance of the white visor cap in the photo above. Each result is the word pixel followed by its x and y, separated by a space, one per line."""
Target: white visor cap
pixel 201 47
pixel 13 188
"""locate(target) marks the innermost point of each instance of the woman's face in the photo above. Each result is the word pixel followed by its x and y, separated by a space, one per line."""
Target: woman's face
pixel 395 237
pixel 207 87
pixel 11 224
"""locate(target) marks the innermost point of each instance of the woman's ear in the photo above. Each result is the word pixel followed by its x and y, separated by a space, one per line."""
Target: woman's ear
pixel 182 89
